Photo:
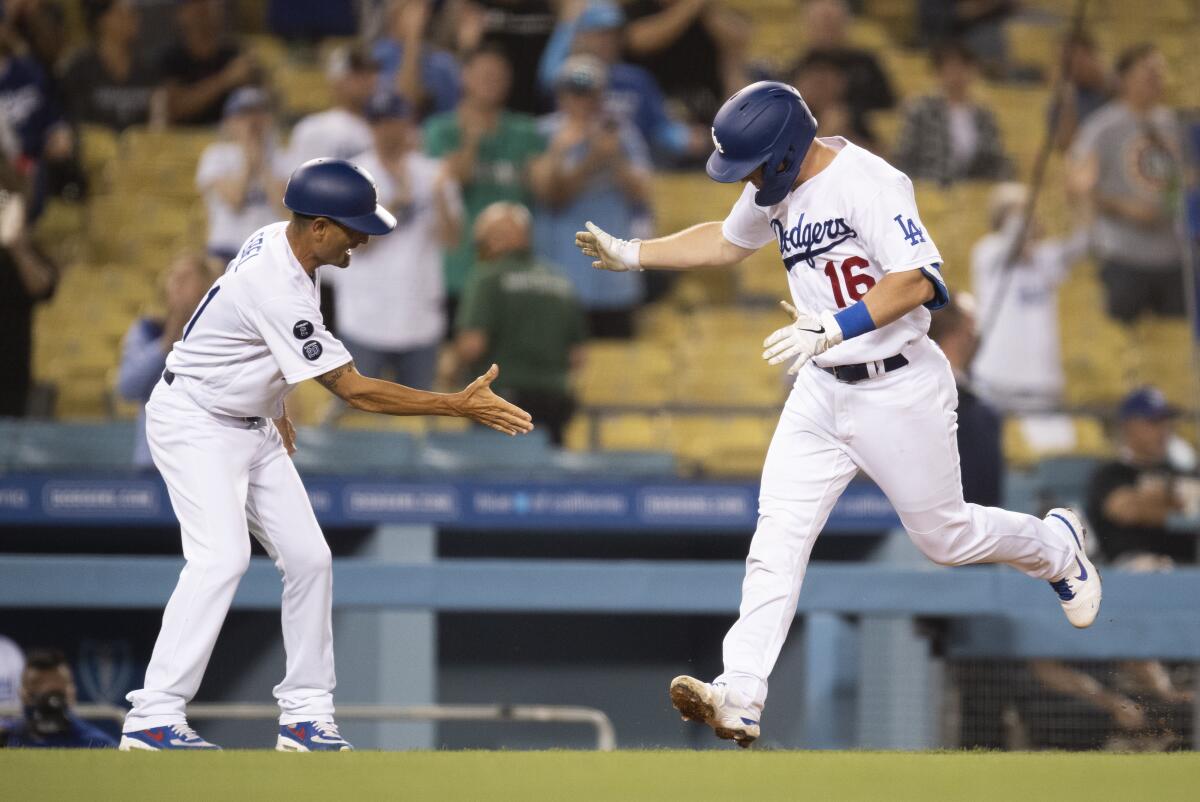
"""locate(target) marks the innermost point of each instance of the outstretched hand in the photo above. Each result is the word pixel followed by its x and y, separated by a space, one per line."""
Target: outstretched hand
pixel 480 404
pixel 609 252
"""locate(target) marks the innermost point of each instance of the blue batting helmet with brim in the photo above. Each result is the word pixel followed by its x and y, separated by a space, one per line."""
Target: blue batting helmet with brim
pixel 766 125
pixel 340 191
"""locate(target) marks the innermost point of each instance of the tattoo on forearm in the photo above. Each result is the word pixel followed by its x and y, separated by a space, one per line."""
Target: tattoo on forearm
pixel 328 380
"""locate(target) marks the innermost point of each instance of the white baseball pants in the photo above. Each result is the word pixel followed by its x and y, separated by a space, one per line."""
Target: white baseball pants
pixel 222 473
pixel 900 430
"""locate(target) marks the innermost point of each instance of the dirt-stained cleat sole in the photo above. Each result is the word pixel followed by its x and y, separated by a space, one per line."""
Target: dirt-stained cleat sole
pixel 699 701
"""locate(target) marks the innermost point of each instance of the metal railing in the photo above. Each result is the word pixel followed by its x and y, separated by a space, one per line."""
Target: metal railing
pixel 606 735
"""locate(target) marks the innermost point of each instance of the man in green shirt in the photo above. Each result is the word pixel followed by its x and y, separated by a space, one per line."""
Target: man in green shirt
pixel 523 315
pixel 487 150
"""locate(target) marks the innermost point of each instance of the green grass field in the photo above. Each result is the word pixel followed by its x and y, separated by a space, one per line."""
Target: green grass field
pixel 583 776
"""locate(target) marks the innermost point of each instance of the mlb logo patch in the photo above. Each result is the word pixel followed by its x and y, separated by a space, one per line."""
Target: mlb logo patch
pixel 302 330
pixel 312 350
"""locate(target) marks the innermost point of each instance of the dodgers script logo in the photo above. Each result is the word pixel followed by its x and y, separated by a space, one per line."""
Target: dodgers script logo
pixel 804 242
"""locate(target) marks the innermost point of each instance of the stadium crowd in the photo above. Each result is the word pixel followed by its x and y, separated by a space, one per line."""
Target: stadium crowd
pixel 495 128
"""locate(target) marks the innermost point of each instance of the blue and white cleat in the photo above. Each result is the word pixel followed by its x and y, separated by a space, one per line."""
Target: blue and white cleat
pixel 311 736
pixel 173 736
pixel 709 702
pixel 1079 590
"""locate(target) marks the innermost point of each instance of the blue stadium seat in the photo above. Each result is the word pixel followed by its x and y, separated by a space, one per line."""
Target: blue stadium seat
pixel 350 451
pixel 480 451
pixel 45 445
pixel 1063 481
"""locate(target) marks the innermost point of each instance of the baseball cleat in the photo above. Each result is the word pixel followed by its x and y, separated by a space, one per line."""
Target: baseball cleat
pixel 311 736
pixel 1079 590
pixel 708 702
pixel 154 739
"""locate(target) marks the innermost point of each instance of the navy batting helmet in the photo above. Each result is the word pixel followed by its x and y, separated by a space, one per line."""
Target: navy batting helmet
pixel 766 124
pixel 341 191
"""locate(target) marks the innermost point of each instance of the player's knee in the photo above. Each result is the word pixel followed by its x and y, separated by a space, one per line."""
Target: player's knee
pixel 944 539
pixel 222 566
pixel 309 564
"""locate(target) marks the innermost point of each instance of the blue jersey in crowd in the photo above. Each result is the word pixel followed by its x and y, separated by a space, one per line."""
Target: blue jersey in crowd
pixel 79 735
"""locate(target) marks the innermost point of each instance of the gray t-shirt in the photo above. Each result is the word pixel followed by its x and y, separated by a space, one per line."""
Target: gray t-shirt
pixel 1139 158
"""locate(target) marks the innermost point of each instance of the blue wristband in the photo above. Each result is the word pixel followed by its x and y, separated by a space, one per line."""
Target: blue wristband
pixel 854 320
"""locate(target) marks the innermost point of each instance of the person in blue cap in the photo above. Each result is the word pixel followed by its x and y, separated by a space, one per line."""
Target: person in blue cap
pixel 1131 498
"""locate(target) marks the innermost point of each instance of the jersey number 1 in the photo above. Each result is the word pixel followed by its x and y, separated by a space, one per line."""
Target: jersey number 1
pixel 856 284
pixel 199 311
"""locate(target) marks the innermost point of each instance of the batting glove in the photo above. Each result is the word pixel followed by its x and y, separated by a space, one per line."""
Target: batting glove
pixel 809 335
pixel 610 253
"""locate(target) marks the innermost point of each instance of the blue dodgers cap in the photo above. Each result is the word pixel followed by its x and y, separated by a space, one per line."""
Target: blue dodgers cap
pixel 1148 403
pixel 388 106
pixel 341 191
pixel 600 15
pixel 248 98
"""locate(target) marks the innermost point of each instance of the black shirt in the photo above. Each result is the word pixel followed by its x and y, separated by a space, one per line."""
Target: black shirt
pixel 521 28
pixel 688 68
pixel 16 332
pixel 181 67
pixel 93 95
pixel 1117 539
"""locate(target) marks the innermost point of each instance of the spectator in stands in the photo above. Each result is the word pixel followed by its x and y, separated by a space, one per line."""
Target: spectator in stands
pixel 1131 498
pixel 487 150
pixel 1129 502
pixel 823 84
pixel 31 111
pixel 27 277
pixel 519 28
pixel 955 329
pixel 695 48
pixel 390 303
pixel 1127 161
pixel 595 168
pixel 1086 87
pixel 47 696
pixel 242 177
pixel 946 136
pixel 521 314
pixel 110 82
pixel 203 69
pixel 595 28
pixel 342 131
pixel 980 25
pixel 149 340
pixel 1019 365
pixel 867 88
pixel 41 25
pixel 426 76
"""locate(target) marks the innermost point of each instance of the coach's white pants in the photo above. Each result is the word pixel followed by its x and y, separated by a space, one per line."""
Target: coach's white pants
pixel 900 429
pixel 222 472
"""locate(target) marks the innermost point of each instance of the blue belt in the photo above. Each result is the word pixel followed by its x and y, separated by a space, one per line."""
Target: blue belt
pixel 851 374
pixel 169 378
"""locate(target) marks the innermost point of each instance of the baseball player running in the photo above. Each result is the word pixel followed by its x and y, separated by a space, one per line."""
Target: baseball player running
pixel 255 335
pixel 872 392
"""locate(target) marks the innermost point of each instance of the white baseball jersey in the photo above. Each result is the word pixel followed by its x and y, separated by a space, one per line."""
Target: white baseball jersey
pixel 838 234
pixel 257 333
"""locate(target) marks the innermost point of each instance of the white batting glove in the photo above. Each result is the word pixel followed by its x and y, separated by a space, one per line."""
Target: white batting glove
pixel 610 253
pixel 809 335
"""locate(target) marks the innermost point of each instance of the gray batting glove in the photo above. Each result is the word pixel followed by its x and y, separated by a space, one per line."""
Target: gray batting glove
pixel 809 335
pixel 610 253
